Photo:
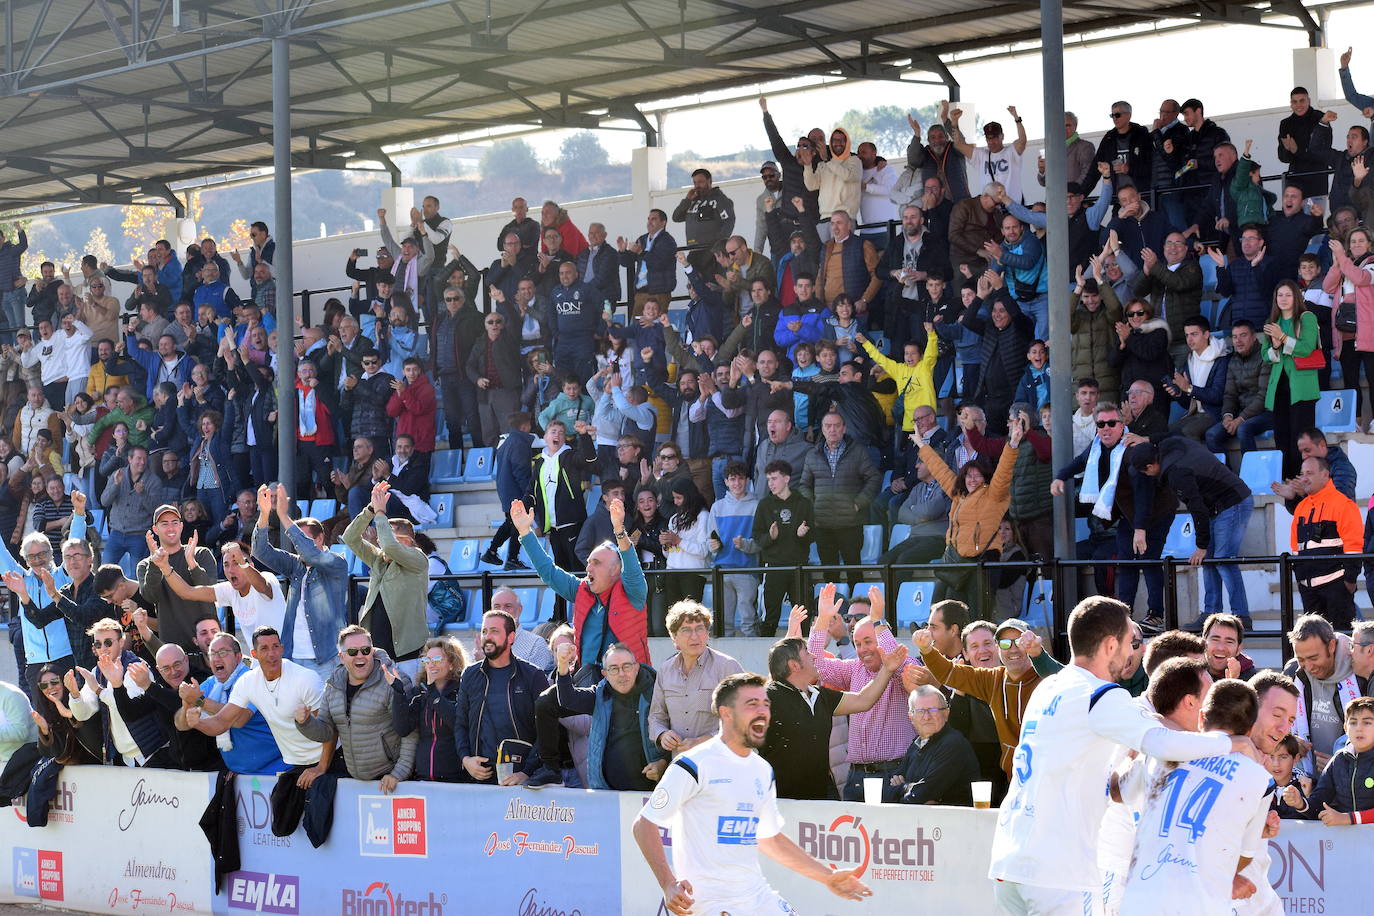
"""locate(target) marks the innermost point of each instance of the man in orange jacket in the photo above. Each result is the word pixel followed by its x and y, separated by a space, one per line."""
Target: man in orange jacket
pixel 1326 524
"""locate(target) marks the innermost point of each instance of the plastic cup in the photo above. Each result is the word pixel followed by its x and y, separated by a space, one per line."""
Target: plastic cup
pixel 982 794
pixel 873 790
pixel 504 771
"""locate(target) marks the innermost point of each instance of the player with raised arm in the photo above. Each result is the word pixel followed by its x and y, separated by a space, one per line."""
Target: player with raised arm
pixel 1044 850
pixel 1201 821
pixel 721 803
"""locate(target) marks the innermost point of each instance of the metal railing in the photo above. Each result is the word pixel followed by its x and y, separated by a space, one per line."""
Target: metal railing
pixel 1061 574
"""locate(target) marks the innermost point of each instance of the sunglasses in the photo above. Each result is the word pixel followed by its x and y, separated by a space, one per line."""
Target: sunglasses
pixel 48 685
pixel 103 643
pixel 358 650
pixel 1006 643
pixel 496 324
pixel 452 299
pixel 370 362
pixel 434 661
pixel 1118 114
pixel 1104 424
pixel 1136 314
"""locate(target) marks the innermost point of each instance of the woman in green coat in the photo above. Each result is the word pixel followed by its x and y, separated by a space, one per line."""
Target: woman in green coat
pixel 1293 391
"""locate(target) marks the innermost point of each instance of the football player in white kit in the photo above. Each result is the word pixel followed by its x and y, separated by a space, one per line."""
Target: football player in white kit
pixel 1044 850
pixel 1278 708
pixel 1201 821
pixel 1176 691
pixel 721 804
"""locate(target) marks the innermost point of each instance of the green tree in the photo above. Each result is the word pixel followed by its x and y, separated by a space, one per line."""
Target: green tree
pixel 509 160
pixel 582 152
pixel 885 126
pixel 434 164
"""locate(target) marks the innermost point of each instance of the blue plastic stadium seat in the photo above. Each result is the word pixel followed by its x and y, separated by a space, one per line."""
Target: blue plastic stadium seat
pixel 445 467
pixel 887 481
pixel 913 602
pixel 899 533
pixel 480 466
pixel 529 605
pixel 1081 529
pixel 815 554
pixel 1040 603
pixel 873 544
pixel 442 504
pixel 464 556
pixel 323 509
pixel 593 497
pixel 1182 539
pixel 1336 412
pixel 1261 468
pixel 98 518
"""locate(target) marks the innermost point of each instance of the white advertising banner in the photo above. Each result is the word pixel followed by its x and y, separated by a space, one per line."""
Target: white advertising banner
pixel 117 841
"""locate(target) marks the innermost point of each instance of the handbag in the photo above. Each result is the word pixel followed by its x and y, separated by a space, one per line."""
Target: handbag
pixel 1346 318
pixel 1314 360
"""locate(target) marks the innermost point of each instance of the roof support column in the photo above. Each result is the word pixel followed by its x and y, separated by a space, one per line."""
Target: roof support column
pixel 281 268
pixel 1057 248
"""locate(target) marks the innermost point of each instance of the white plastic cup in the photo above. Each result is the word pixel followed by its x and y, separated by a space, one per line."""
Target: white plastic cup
pixel 504 771
pixel 982 794
pixel 873 790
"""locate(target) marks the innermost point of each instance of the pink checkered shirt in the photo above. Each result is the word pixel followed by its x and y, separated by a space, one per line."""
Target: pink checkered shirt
pixel 883 732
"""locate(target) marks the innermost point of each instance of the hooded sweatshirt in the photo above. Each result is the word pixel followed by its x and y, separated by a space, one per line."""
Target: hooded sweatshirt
pixel 839 180
pixel 1322 701
pixel 1006 698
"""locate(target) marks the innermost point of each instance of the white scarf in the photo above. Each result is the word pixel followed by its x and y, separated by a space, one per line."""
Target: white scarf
pixel 1103 497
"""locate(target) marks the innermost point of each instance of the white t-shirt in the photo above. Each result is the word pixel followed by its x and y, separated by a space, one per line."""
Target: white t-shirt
pixel 1048 827
pixel 718 806
pixel 278 701
pixel 255 609
pixel 1003 166
pixel 1197 820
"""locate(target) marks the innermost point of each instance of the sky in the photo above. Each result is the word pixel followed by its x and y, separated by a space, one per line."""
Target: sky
pixel 1095 76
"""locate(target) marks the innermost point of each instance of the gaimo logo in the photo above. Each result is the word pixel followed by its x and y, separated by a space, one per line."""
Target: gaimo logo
pixel 265 893
pixel 378 899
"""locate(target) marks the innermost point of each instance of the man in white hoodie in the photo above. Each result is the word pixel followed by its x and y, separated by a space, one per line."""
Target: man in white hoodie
pixel 1200 386
pixel 838 176
pixel 875 203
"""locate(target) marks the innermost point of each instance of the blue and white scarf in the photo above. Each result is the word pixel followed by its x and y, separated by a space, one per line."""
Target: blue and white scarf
pixel 305 410
pixel 1101 497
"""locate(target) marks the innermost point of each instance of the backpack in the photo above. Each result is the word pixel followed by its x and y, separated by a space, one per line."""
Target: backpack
pixel 448 601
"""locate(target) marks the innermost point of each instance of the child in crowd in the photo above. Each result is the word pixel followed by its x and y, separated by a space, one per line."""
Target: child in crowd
pixel 1344 793
pixel 1281 764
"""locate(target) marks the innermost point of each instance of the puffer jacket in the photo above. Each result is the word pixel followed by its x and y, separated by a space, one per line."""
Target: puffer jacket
pixel 1247 383
pixel 1176 294
pixel 1145 356
pixel 429 712
pixel 1030 485
pixel 1347 784
pixel 841 498
pixel 1094 336
pixel 368 739
pixel 974 519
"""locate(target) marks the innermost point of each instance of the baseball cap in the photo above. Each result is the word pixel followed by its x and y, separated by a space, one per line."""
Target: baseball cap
pixel 164 509
pixel 1020 626
pixel 770 164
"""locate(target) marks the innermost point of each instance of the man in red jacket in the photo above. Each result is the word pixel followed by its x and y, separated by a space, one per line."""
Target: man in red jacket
pixel 316 405
pixel 414 406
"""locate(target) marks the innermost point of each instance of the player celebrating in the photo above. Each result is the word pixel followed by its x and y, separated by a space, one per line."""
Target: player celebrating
pixel 1278 708
pixel 1043 853
pixel 719 799
pixel 1201 821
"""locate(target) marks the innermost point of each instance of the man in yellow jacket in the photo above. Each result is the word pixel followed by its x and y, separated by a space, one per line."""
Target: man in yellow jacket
pixel 1326 524
pixel 914 375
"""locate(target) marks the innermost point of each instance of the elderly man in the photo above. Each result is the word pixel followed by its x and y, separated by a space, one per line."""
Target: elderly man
pixel 620 754
pixel 848 265
pixel 1006 688
pixel 1173 286
pixel 879 736
pixel 1325 525
pixel 839 478
pixel 45 637
pixel 680 715
pixel 1326 681
pixel 940 765
pixel 355 714
pixel 798 742
pixel 160 701
pixel 248 748
pixel 526 645
pixel 784 442
pixel 609 603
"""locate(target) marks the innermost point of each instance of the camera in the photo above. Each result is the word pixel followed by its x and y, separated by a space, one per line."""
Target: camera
pixel 359 252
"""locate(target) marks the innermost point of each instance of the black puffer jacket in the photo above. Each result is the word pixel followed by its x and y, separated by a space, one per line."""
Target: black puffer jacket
pixel 841 497
pixel 1347 784
pixel 1003 353
pixel 1145 356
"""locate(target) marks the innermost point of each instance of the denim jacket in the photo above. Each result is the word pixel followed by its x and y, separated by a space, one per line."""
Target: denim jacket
pixel 321 577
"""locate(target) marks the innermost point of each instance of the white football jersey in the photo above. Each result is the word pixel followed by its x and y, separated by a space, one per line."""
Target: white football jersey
pixel 1048 827
pixel 718 806
pixel 1198 819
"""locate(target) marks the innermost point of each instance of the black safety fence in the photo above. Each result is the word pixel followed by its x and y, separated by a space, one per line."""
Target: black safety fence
pixel 1044 604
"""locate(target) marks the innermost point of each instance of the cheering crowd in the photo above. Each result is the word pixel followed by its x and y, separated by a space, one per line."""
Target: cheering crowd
pixel 165 612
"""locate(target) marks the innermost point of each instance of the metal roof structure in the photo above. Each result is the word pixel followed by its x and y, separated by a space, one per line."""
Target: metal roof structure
pixel 111 101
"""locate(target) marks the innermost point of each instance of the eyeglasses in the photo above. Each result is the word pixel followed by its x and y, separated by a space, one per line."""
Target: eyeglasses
pixel 495 324
pixel 1362 645
pixel 222 653
pixel 103 643
pixel 1138 313
pixel 37 555
pixel 358 650
pixel 922 713
pixel 168 669
pixel 1104 424
pixel 75 555
pixel 627 668
pixel 435 661
pixel 696 630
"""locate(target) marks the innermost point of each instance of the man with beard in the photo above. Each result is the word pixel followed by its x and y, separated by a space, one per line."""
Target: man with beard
pixel 1323 672
pixel 769 198
pixel 1043 851
pixel 719 799
pixel 495 718
pixel 798 744
pixel 248 748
